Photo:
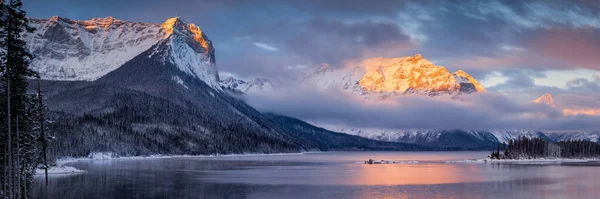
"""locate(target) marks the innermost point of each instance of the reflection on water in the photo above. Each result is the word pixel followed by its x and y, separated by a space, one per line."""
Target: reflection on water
pixel 326 175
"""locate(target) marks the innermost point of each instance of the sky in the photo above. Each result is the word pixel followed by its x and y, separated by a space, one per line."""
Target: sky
pixel 518 50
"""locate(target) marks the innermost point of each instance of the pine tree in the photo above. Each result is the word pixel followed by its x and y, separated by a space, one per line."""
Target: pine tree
pixel 19 158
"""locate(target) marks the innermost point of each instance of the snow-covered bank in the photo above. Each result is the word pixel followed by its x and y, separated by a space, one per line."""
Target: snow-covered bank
pixel 59 170
pixel 523 161
pixel 112 156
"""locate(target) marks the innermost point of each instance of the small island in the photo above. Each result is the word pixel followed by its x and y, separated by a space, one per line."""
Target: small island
pixel 539 148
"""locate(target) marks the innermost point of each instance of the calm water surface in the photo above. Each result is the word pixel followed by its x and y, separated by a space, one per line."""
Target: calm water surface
pixel 323 175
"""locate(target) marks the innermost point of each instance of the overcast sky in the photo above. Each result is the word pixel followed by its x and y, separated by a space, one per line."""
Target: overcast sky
pixel 517 49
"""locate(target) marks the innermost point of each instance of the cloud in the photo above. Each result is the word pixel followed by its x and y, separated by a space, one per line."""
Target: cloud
pixel 517 79
pixel 584 85
pixel 322 40
pixel 481 111
pixel 573 48
pixel 265 46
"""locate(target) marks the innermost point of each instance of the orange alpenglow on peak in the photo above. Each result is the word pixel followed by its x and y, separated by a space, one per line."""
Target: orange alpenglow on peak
pixel 177 24
pixel 414 74
pixel 545 99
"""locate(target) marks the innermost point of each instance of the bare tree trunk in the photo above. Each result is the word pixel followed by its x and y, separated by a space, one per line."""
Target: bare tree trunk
pixel 5 170
pixel 18 169
pixel 42 120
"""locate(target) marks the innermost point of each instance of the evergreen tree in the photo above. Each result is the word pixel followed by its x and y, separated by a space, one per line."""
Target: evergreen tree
pixel 19 160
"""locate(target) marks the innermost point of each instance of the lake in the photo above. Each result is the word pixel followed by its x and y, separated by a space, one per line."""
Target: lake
pixel 323 175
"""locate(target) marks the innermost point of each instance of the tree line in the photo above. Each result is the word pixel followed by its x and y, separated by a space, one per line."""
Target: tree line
pixel 23 139
pixel 530 148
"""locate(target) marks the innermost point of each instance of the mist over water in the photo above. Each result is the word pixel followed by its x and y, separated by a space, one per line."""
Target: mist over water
pixel 323 175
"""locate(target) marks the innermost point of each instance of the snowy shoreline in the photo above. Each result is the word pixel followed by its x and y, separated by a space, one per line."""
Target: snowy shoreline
pixel 59 170
pixel 112 156
pixel 523 161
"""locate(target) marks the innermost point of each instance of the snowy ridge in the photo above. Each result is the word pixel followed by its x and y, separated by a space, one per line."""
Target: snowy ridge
pixel 86 50
pixel 253 86
pixel 433 136
pixel 469 136
pixel 506 135
pixel 67 49
pixel 327 76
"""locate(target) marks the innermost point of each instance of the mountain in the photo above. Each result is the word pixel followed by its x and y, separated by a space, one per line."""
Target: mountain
pixel 545 99
pixel 159 95
pixel 460 139
pixel 393 76
pixel 414 74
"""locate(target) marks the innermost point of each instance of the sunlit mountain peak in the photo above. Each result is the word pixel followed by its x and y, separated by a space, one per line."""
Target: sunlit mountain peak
pixel 176 25
pixel 545 99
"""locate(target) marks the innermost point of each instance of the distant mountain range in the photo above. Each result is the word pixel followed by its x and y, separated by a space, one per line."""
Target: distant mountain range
pixel 140 88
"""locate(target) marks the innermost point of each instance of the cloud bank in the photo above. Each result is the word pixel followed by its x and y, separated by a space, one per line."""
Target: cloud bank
pixel 480 111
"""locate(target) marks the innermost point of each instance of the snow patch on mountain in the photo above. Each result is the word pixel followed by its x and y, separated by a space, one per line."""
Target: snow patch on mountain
pixel 179 81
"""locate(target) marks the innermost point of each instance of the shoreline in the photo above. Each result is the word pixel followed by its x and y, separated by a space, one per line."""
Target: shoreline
pixel 111 156
pixel 530 161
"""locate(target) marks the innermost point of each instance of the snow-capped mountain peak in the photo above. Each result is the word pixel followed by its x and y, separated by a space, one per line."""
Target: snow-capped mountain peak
pixel 191 50
pixel 178 26
pixel 545 99
pixel 67 49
